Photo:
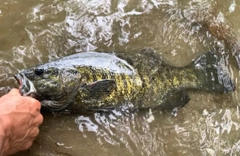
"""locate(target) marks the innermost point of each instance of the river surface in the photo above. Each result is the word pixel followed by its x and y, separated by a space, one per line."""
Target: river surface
pixel 38 31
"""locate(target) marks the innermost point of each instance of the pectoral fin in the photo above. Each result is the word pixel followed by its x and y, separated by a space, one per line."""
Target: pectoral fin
pixel 98 89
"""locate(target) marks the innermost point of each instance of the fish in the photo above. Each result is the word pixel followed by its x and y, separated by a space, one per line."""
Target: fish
pixel 95 80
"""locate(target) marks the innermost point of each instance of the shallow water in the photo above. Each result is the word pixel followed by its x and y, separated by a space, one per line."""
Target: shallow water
pixel 34 32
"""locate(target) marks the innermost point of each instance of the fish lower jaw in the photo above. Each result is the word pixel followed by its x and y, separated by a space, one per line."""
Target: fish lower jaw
pixel 26 91
pixel 18 78
pixel 28 94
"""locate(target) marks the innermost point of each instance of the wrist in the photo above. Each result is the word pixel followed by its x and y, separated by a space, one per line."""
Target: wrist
pixel 3 141
pixel 4 136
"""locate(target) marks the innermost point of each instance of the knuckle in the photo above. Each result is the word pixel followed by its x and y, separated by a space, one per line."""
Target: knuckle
pixel 34 103
pixel 40 119
pixel 27 145
pixel 35 132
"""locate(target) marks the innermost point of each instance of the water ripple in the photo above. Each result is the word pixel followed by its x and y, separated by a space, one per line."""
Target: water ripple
pixel 40 31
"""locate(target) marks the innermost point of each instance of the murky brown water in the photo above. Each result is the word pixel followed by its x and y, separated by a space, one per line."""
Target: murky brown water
pixel 34 31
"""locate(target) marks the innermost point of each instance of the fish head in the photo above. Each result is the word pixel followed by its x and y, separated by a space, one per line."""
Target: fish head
pixel 53 86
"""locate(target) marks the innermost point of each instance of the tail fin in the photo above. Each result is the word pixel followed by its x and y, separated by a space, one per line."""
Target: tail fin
pixel 213 73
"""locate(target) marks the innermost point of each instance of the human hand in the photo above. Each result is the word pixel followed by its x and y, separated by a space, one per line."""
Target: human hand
pixel 20 118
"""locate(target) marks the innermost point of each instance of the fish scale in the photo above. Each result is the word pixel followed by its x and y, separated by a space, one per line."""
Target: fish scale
pixel 126 84
pixel 93 80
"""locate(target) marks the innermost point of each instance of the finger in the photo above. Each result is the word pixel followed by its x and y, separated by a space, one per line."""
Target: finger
pixel 38 120
pixel 33 133
pixel 13 93
pixel 34 106
pixel 22 103
pixel 26 145
pixel 34 103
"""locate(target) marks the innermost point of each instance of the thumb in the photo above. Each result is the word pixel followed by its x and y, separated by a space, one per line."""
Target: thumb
pixel 14 91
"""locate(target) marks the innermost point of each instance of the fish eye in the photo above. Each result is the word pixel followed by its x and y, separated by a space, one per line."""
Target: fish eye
pixel 38 72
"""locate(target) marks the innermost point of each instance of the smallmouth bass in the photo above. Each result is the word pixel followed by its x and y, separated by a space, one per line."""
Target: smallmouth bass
pixel 92 80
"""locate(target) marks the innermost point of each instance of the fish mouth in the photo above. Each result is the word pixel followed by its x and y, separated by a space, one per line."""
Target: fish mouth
pixel 26 87
pixel 18 79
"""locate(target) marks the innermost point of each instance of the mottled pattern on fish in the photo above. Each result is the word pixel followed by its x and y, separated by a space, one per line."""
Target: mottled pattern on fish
pixel 162 82
pixel 124 87
pixel 94 80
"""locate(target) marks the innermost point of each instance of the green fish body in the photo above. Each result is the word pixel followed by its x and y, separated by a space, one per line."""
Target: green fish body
pixel 92 80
